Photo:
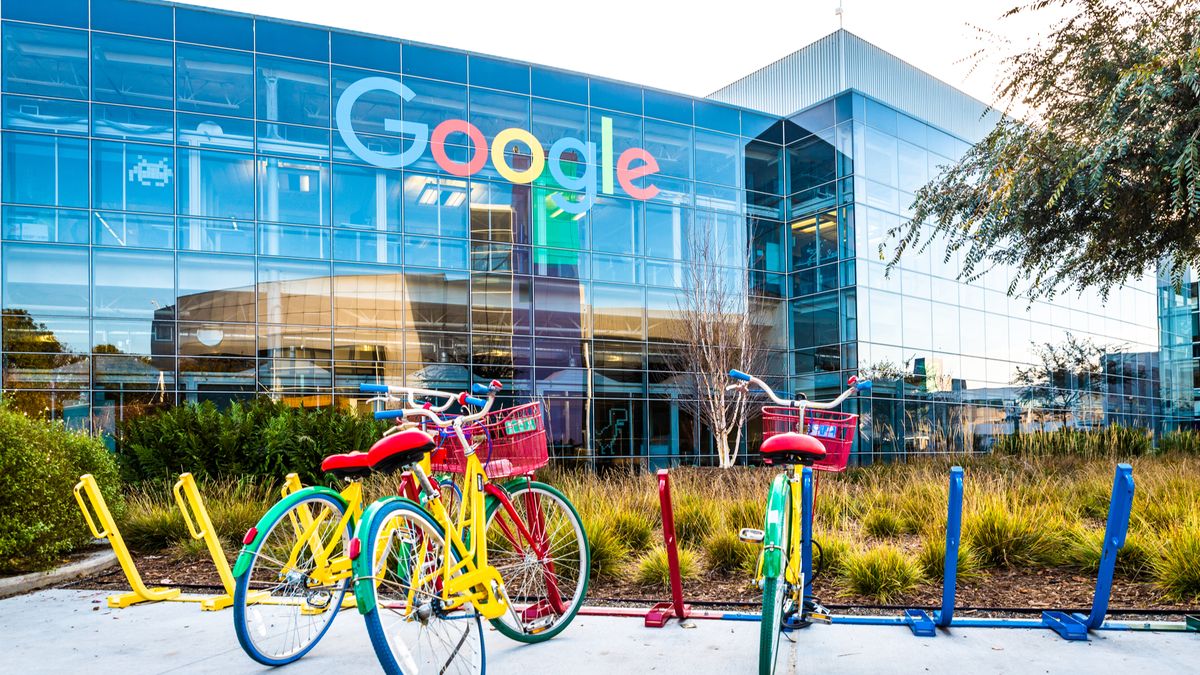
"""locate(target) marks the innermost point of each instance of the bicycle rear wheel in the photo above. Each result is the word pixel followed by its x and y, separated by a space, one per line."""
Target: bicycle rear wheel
pixel 538 544
pixel 285 601
pixel 777 602
pixel 411 629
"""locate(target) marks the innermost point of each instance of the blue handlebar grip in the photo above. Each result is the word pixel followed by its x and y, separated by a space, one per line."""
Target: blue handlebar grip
pixel 865 385
pixel 739 375
pixel 388 414
pixel 472 400
pixel 480 389
pixel 373 388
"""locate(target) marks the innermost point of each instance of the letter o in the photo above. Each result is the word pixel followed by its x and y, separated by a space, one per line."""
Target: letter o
pixel 437 145
pixel 537 155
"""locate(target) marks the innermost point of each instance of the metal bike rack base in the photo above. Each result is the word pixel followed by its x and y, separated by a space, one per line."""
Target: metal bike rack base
pixel 1068 626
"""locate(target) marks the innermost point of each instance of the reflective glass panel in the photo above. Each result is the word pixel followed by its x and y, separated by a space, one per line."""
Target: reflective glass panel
pixel 129 283
pixel 214 81
pixel 216 184
pixel 48 170
pixel 132 177
pixel 45 61
pixel 45 279
pixel 132 71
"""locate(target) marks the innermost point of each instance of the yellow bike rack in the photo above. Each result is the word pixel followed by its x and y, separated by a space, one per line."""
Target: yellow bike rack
pixel 87 484
pixel 187 495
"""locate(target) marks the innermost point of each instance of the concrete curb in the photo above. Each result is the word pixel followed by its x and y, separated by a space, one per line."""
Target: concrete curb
pixel 26 583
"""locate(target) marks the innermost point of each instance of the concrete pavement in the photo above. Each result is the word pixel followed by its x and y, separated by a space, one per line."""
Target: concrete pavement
pixel 60 631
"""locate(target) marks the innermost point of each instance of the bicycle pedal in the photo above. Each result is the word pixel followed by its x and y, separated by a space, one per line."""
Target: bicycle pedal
pixel 750 535
pixel 819 618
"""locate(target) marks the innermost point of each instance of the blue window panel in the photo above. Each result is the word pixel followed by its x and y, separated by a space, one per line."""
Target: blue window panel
pixel 291 241
pixel 130 283
pixel 436 206
pixel 718 117
pixel 133 177
pixel 47 115
pixel 60 226
pixel 45 61
pixel 668 106
pixel 211 28
pixel 435 102
pixel 373 108
pixel 288 40
pixel 881 116
pixel 215 81
pixel 553 121
pixel 492 112
pixel 216 184
pixel 844 108
pixel 214 132
pixel 134 18
pixel 224 280
pixel 762 128
pixel 559 85
pixel 45 279
pixel 133 230
pixel 718 158
pixel 810 121
pixel 367 198
pixel 371 247
pixel 671 146
pixel 293 141
pixel 72 13
pixel 436 252
pixel 435 63
pixel 118 121
pixel 615 96
pixel 293 92
pixel 215 236
pixel 365 52
pixel 46 170
pixel 293 191
pixel 497 74
pixel 940 142
pixel 297 291
pixel 132 71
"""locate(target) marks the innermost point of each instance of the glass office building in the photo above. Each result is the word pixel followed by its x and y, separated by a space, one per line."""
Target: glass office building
pixel 201 205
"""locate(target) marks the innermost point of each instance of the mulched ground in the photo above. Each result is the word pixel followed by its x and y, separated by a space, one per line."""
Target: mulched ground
pixel 1003 588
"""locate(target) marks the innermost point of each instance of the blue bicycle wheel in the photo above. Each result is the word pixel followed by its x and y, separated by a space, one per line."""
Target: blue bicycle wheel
pixel 411 629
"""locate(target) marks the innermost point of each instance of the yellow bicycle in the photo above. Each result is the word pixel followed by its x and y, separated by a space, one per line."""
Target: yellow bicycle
pixel 423 579
pixel 294 568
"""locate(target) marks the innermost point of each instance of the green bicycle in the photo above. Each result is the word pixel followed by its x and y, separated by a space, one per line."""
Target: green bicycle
pixel 810 435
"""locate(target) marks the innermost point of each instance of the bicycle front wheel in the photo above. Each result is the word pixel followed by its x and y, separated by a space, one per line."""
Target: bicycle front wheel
pixel 537 542
pixel 776 600
pixel 411 628
pixel 287 598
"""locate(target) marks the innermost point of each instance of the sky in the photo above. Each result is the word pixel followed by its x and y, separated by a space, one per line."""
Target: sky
pixel 678 46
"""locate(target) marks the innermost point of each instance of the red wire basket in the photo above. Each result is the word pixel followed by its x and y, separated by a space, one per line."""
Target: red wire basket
pixel 834 429
pixel 510 442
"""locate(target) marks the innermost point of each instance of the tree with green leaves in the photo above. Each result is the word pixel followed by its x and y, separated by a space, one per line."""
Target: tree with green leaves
pixel 1097 180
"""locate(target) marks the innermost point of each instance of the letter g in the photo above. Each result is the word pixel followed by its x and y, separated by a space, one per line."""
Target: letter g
pixel 419 132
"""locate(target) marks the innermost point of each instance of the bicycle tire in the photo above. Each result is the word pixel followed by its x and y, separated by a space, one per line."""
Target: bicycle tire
pixel 775 598
pixel 529 581
pixel 465 643
pixel 253 638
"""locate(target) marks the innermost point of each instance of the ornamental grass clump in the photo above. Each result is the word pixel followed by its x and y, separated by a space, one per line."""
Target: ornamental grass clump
pixel 882 573
pixel 653 568
pixel 1085 547
pixel 882 523
pixel 727 554
pixel 697 518
pixel 931 557
pixel 1013 535
pixel 608 552
pixel 1176 568
pixel 635 529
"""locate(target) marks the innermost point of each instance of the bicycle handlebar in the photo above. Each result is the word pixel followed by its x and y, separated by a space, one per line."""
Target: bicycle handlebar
pixel 856 386
pixel 430 411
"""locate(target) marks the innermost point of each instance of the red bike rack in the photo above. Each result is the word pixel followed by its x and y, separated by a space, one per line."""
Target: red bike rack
pixel 660 613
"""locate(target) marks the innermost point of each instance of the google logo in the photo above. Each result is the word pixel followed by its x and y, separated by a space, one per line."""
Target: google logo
pixel 633 163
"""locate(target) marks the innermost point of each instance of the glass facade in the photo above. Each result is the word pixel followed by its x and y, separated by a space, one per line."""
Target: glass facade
pixel 199 205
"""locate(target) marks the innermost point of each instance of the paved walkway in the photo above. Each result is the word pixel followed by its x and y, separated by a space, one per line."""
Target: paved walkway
pixel 62 631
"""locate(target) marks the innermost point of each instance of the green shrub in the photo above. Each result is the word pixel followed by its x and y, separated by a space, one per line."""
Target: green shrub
pixel 40 463
pixel 635 529
pixel 1183 441
pixel 696 518
pixel 653 568
pixel 831 552
pixel 608 551
pixel 152 521
pixel 726 553
pixel 881 522
pixel 750 513
pixel 260 437
pixel 1010 535
pixel 1085 545
pixel 931 557
pixel 1111 441
pixel 882 573
pixel 1177 565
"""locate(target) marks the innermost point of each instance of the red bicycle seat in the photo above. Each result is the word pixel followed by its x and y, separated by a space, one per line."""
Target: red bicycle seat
pixel 792 448
pixel 398 450
pixel 350 465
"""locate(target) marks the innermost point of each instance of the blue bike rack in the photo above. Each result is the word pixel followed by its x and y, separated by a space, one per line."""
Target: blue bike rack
pixel 1076 626
pixel 918 621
